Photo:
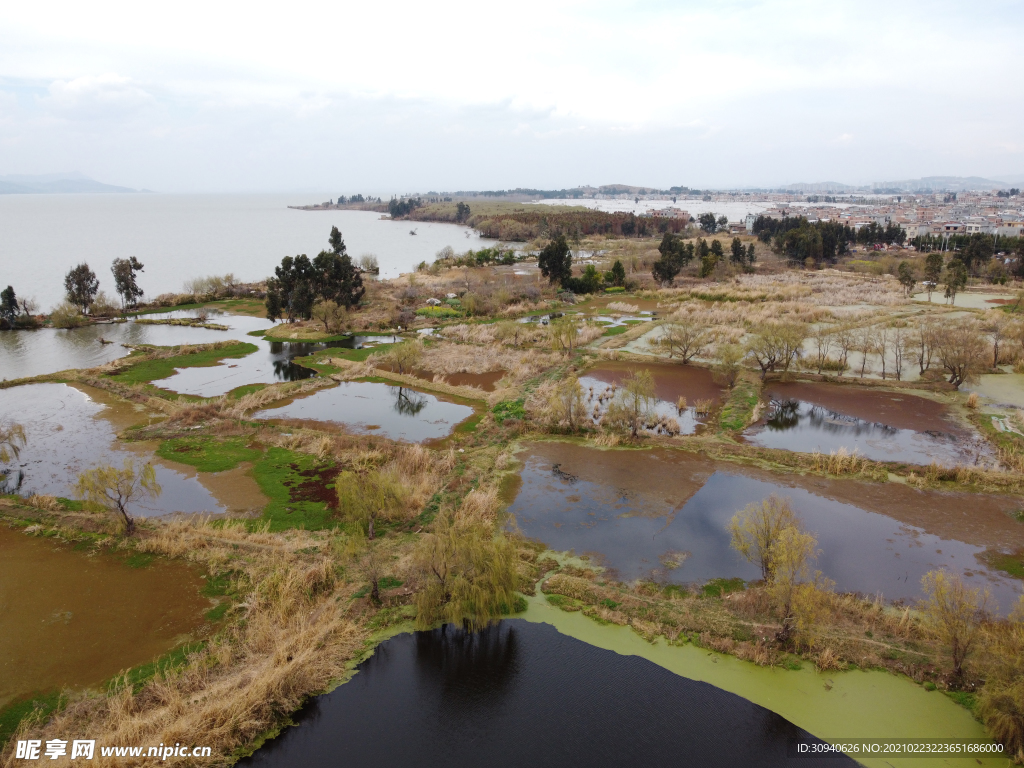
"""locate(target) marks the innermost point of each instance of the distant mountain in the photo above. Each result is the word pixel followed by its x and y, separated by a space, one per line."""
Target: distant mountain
pixel 942 184
pixel 54 183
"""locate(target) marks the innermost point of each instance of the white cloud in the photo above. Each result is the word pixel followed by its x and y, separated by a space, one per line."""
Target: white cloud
pixel 710 93
pixel 104 96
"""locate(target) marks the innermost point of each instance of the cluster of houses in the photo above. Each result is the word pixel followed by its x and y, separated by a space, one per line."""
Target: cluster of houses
pixel 937 215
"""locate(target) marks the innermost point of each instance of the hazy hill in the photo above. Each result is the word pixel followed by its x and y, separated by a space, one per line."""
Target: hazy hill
pixel 54 183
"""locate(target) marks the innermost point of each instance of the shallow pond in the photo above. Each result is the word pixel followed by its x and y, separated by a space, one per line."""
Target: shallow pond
pixel 522 694
pixel 398 413
pixel 671 382
pixel 485 381
pixel 71 619
pixel 70 430
pixel 271 363
pixel 662 514
pixel 48 350
pixel 883 426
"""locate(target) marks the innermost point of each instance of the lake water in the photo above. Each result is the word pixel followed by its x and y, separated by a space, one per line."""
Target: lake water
pixel 178 237
pixel 663 515
pixel 522 694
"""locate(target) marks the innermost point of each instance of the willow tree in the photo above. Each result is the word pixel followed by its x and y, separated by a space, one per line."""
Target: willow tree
pixel 116 489
pixel 956 612
pixel 634 403
pixel 566 404
pixel 686 338
pixel 469 572
pixel 404 356
pixel 365 499
pixel 12 440
pixel 756 530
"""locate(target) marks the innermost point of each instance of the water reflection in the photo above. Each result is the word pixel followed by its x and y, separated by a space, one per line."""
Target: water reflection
pixel 398 413
pixel 520 694
pixel 67 433
pixel 668 522
pixel 797 425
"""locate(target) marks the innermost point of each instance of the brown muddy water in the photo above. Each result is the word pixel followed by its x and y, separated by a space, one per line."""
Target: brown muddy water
pixel 883 426
pixel 483 381
pixel 671 382
pixel 71 619
pixel 398 413
pixel 662 514
pixel 72 429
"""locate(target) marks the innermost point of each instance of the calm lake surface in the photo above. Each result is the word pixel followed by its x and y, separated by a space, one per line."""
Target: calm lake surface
pixel 522 694
pixel 179 237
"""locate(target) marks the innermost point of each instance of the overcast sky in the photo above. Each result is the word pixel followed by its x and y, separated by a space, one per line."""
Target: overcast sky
pixel 345 97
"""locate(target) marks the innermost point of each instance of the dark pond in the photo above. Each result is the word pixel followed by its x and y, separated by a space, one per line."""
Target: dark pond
pixel 664 515
pixel 399 413
pixel 882 426
pixel 521 694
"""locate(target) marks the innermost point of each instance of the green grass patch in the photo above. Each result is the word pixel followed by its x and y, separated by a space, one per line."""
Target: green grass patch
pixel 151 370
pixel 217 586
pixel 142 674
pixel 1010 563
pixel 739 406
pixel 318 362
pixel 139 560
pixel 71 505
pixel 389 582
pixel 615 330
pixel 674 590
pixel 439 313
pixel 246 389
pixel 615 289
pixel 508 409
pixel 259 334
pixel 207 454
pixel 297 486
pixel 609 603
pixel 12 715
pixel 966 700
pixel 722 587
pixel 217 612
pixel 469 425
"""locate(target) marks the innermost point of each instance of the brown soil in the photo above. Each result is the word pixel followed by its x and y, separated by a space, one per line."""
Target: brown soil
pixel 670 380
pixel 314 486
pixel 894 409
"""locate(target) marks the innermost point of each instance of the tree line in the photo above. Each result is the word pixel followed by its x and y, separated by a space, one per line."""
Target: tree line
pixel 327 285
pixel 677 253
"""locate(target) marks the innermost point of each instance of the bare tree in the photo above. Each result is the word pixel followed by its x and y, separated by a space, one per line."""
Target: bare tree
pixel 685 338
pixel 926 335
pixel 823 336
pixel 864 344
pixel 898 343
pixel 998 327
pixel 880 343
pixel 961 349
pixel 845 338
pixel 117 489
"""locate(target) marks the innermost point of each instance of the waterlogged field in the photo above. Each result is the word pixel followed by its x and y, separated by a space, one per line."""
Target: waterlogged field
pixel 70 429
pixel 72 617
pixel 663 515
pixel 882 426
pixel 398 413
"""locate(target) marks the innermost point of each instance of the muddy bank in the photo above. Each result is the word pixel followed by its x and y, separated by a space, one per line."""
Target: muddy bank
pixel 662 514
pixel 484 381
pixel 671 381
pixel 71 618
